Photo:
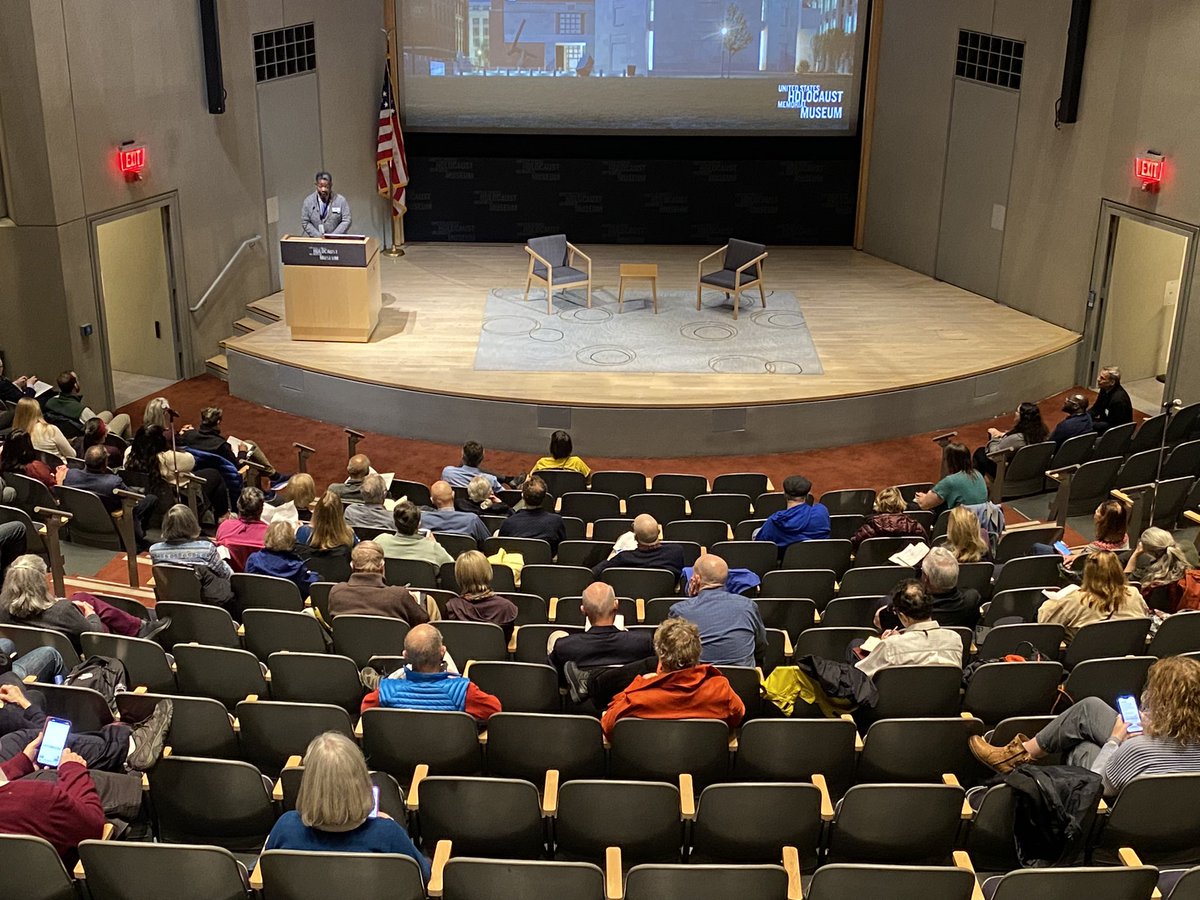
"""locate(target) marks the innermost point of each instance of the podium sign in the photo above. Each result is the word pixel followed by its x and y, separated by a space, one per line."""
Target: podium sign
pixel 331 287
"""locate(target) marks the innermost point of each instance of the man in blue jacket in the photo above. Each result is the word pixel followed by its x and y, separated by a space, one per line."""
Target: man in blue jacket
pixel 800 521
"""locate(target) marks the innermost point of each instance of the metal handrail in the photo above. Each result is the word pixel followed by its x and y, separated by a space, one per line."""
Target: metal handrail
pixel 238 252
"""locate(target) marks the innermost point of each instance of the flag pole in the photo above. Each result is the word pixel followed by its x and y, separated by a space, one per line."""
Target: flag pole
pixel 397 222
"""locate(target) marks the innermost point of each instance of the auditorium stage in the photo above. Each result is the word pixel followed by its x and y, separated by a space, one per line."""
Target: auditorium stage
pixel 900 352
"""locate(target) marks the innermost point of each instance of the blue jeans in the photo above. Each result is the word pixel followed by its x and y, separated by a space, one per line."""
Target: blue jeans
pixel 42 662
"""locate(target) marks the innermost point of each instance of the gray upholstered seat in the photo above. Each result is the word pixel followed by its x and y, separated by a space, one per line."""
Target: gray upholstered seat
pixel 741 270
pixel 551 264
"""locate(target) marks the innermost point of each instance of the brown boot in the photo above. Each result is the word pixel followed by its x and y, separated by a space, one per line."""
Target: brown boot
pixel 1001 759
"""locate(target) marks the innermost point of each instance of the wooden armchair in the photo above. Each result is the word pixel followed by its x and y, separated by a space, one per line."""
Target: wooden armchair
pixel 552 265
pixel 741 270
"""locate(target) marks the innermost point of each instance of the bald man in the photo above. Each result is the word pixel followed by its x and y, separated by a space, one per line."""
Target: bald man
pixel 650 552
pixel 444 517
pixel 604 644
pixel 357 468
pixel 425 684
pixel 731 629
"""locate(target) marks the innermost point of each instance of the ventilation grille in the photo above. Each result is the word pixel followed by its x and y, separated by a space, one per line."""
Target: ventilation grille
pixel 990 59
pixel 284 52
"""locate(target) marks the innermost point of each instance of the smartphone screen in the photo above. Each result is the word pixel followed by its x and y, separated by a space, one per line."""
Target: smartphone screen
pixel 1130 713
pixel 54 739
pixel 1061 547
pixel 375 808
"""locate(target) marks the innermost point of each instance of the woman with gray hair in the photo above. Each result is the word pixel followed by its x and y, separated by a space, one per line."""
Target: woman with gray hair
pixel 181 545
pixel 26 599
pixel 1159 561
pixel 335 808
pixel 480 499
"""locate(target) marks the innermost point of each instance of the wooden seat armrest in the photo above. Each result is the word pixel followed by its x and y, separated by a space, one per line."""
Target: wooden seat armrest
pixel 753 262
pixel 952 780
pixel 483 738
pixel 821 785
pixel 1101 807
pixel 550 795
pixel 241 630
pixel 358 729
pixel 552 609
pixel 300 446
pixel 413 800
pixel 1129 857
pixel 277 790
pixel 1060 473
pixel 789 650
pixel 858 741
pixel 575 251
pixel 1026 526
pixel 716 252
pixel 512 641
pixel 791 865
pixel 141 689
pixel 358 434
pixel 1192 516
pixel 545 262
pixel 256 881
pixel 128 495
pixel 962 860
pixel 441 855
pixel 687 797
pixel 251 698
pixel 1123 494
pixel 1006 453
pixel 639 604
pixel 733 742
pixel 30 679
pixel 944 438
pixel 60 514
pixel 614 888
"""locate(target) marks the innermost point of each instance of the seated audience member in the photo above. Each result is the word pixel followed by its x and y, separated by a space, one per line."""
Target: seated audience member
pixel 476 601
pixel 962 485
pixel 301 492
pixel 1104 595
pixel 888 520
pixel 731 628
pixel 921 641
pixel 462 474
pixel 328 530
pixel 26 599
pixel 964 537
pixel 13 391
pixel 425 684
pixel 1093 736
pixel 444 517
pixel 46 438
pixel 1077 421
pixel 1027 429
pixel 150 454
pixel 18 457
pixel 370 513
pixel 679 687
pixel 69 405
pixel 208 438
pixel 63 812
pixel 952 605
pixel 12 543
pixel 562 456
pixel 96 478
pixel 95 434
pixel 181 545
pixel 799 521
pixel 1109 521
pixel 279 558
pixel 1113 406
pixel 333 808
pixel 481 500
pixel 243 534
pixel 407 542
pixel 603 644
pixel 650 552
pixel 533 521
pixel 158 412
pixel 44 664
pixel 1158 562
pixel 366 594
pixel 357 468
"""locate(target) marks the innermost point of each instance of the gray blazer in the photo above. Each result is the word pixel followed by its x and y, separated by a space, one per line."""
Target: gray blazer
pixel 337 218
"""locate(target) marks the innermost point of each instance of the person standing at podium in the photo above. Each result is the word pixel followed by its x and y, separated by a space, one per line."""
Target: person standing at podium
pixel 324 212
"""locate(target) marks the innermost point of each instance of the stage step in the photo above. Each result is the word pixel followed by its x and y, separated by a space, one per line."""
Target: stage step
pixel 267 309
pixel 247 324
pixel 218 365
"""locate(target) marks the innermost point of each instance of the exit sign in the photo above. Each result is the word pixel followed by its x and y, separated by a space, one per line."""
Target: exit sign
pixel 1149 168
pixel 131 158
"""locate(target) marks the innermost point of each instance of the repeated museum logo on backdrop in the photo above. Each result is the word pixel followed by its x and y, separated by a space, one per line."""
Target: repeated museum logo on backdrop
pixel 812 101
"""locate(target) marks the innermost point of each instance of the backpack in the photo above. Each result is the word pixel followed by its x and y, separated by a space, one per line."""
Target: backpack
pixel 104 674
pixel 1187 590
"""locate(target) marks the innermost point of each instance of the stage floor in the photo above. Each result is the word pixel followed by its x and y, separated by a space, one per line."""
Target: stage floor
pixel 877 327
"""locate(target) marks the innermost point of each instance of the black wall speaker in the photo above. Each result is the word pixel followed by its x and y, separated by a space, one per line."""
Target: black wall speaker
pixel 214 81
pixel 1068 101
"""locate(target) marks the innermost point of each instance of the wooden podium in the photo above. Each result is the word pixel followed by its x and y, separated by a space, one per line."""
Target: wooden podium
pixel 331 287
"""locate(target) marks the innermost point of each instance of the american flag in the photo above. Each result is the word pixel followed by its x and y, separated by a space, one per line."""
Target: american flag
pixel 391 166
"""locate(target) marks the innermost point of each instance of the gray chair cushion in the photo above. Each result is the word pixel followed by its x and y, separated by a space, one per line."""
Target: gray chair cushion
pixel 737 253
pixel 724 278
pixel 552 248
pixel 563 275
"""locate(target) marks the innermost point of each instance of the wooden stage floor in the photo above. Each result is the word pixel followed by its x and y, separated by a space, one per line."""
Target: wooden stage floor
pixel 877 327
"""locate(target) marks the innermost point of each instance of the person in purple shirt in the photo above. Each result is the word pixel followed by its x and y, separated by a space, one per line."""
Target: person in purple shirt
pixel 800 521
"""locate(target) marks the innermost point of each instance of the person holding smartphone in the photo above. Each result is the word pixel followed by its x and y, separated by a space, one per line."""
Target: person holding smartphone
pixel 63 812
pixel 1093 735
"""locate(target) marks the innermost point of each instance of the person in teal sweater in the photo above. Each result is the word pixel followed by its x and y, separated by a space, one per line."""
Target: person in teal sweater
pixel 962 485
pixel 334 809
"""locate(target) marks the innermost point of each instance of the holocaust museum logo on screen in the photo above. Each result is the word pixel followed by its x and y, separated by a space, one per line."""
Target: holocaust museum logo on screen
pixel 812 101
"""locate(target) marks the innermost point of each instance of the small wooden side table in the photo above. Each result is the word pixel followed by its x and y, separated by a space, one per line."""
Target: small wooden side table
pixel 648 271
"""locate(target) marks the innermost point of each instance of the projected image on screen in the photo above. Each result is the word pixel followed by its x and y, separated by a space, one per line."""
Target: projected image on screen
pixel 719 66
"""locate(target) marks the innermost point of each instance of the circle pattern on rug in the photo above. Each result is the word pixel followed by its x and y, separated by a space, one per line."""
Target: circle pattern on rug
pixel 783 367
pixel 605 355
pixel 546 335
pixel 510 326
pixel 778 318
pixel 738 365
pixel 709 331
pixel 585 316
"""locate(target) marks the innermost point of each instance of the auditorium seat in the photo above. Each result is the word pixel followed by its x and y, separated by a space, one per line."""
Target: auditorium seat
pixel 907 692
pixel 852 612
pixel 313 876
pixel 791 614
pixel 706 882
pixel 829 642
pixel 361 637
pixel 746 681
pixel 145 661
pixel 407 573
pixel 1158 816
pixel 549 581
pixel 266 592
pixel 1148 435
pixel 662 749
pixel 560 482
pixel 176 583
pixel 1029 572
pixel 270 731
pixel 125 870
pixel 467 878
pixel 534 551
pixel 623 484
pixel 815 584
pixel 490 817
pixel 268 631
pixel 1021 602
pixel 316 678
pixel 1081 489
pixel 455 544
pixel 1004 639
pixel 84 708
pixel 850 501
pixel 729 508
pixel 920 750
pixel 688 486
pixel 877 551
pixel 768 503
pixel 840 880
pixel 664 507
pixel 466 641
pixel 843 527
pixel 609 529
pixel 200 726
pixel 590 505
pixel 29 637
pixel 527 745
pixel 760 557
pixel 531 640
pixel 872 580
pixel 1018 542
pixel 1002 690
pixel 640 817
pixel 520 687
pixel 1177 634
pixel 866 828
pixel 222 802
pixel 1095 883
pixel 640 583
pixel 1109 678
pixel 396 741
pixel 1020 472
pixel 197 623
pixel 1114 442
pixel 1115 637
pixel 33 869
pixel 829 553
pixel 222 673
pixel 752 484
pixel 583 553
pixel 746 529
pixel 705 532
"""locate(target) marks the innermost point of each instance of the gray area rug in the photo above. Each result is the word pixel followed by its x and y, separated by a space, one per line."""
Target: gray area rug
pixel 518 335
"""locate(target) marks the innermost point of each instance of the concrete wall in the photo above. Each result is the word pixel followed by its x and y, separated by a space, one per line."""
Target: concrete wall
pixel 1138 90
